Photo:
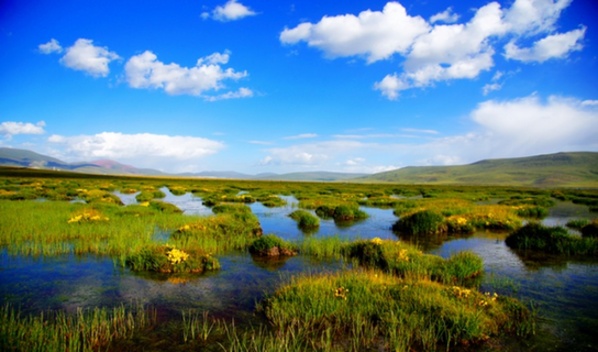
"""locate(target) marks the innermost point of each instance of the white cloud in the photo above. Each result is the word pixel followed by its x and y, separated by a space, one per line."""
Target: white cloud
pixel 376 35
pixel 309 155
pixel 447 16
pixel 301 136
pixel 11 128
pixel 418 130
pixel 529 126
pixel 435 51
pixel 509 128
pixel 84 56
pixel 50 47
pixel 231 11
pixel 164 152
pixel 241 93
pixel 146 71
pixel 491 87
pixel 550 47
pixel 530 17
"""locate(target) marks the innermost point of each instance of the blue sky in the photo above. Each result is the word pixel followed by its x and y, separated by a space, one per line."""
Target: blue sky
pixel 284 86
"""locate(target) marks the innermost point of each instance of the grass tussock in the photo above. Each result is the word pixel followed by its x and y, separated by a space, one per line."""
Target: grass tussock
pixel 406 261
pixel 552 240
pixel 372 310
pixel 306 221
pixel 169 259
pixel 272 246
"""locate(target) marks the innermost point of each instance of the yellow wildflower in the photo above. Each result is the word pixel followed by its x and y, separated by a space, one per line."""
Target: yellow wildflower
pixel 377 240
pixel 341 292
pixel 176 256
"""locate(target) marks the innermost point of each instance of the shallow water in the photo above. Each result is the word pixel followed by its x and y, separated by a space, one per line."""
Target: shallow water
pixel 563 292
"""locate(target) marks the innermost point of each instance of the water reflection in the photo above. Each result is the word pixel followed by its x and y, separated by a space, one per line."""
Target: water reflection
pixel 69 282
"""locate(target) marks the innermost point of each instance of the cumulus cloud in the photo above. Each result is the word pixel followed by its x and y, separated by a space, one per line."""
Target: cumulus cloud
pixel 439 49
pixel 550 47
pixel 86 57
pixel 231 11
pixel 146 71
pixel 447 16
pixel 142 149
pixel 11 128
pixel 375 35
pixel 531 125
pixel 50 47
pixel 508 128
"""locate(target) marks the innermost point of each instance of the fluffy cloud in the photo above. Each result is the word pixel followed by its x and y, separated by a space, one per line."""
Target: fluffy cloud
pixel 552 46
pixel 435 51
pixel 531 126
pixel 446 16
pixel 146 71
pixel 50 47
pixel 84 56
pixel 11 128
pixel 142 149
pixel 509 128
pixel 231 11
pixel 373 34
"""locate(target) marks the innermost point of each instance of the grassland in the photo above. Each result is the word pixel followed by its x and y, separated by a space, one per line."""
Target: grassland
pixel 554 170
pixel 392 297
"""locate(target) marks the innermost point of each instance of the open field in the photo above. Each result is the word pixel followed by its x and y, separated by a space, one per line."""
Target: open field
pixel 353 294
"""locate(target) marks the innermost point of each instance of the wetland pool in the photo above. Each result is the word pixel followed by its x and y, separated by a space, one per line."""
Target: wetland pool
pixel 563 293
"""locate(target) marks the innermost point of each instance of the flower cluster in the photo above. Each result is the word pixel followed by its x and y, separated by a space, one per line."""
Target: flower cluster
pixel 460 292
pixel 88 216
pixel 341 293
pixel 176 256
pixel 377 240
pixel 402 255
pixel 489 298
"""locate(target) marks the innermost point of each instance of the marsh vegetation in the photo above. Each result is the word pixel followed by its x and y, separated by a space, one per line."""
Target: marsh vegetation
pixel 372 291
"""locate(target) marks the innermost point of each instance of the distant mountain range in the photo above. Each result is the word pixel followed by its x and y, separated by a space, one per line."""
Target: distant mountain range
pixel 30 159
pixel 571 169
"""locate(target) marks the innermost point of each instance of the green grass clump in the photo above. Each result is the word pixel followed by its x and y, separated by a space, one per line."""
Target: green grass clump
pixel 577 224
pixel 272 246
pixel 590 230
pixel 168 259
pixel 272 201
pixel 552 240
pixel 532 212
pixel 305 219
pixel 147 195
pixel 422 223
pixel 164 207
pixel 405 260
pixel 341 213
pixel 88 330
pixel 370 310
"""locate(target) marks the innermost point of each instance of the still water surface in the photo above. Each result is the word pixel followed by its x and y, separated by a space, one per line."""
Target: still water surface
pixel 565 293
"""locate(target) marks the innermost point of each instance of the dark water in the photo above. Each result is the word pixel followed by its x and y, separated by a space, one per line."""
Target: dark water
pixel 564 293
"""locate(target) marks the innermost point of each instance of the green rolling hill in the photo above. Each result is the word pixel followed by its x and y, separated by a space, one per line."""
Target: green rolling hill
pixel 571 169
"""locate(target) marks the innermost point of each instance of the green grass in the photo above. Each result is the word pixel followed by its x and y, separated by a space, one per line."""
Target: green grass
pixel 552 240
pixel 169 259
pixel 305 220
pixel 371 310
pixel 88 330
pixel 407 261
pixel 272 246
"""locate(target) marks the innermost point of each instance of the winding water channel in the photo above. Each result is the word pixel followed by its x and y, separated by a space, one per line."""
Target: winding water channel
pixel 564 293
